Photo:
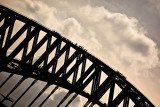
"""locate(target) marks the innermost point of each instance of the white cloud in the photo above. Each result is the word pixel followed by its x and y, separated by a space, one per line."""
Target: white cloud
pixel 113 37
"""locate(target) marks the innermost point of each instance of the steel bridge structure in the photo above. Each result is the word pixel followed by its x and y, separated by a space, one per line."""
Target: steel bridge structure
pixel 32 51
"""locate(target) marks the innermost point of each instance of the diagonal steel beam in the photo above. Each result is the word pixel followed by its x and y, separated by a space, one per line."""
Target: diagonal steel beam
pixel 49 96
pixel 23 43
pixel 55 61
pixel 75 66
pixel 39 61
pixel 24 93
pixel 40 93
pixel 11 75
pixel 14 88
pixel 65 97
pixel 70 101
pixel 65 65
pixel 57 56
pixel 33 51
pixel 13 39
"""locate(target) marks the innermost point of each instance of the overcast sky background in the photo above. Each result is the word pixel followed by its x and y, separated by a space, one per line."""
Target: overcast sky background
pixel 122 33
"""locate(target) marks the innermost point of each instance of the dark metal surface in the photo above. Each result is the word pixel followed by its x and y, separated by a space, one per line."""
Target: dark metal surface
pixel 46 69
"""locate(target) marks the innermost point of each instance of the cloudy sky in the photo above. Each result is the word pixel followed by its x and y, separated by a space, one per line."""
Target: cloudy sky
pixel 122 33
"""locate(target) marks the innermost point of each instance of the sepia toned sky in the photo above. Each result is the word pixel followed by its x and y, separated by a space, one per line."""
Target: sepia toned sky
pixel 125 34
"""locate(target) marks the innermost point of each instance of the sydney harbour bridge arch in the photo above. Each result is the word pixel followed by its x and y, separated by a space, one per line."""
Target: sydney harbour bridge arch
pixel 32 51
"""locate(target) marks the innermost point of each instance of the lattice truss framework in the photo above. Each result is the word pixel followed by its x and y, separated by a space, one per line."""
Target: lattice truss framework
pixel 31 50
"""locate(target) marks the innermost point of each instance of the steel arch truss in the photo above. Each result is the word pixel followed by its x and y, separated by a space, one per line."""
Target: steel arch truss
pixel 37 56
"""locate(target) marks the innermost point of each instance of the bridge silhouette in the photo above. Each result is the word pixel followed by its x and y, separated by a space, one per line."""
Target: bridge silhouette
pixel 33 51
